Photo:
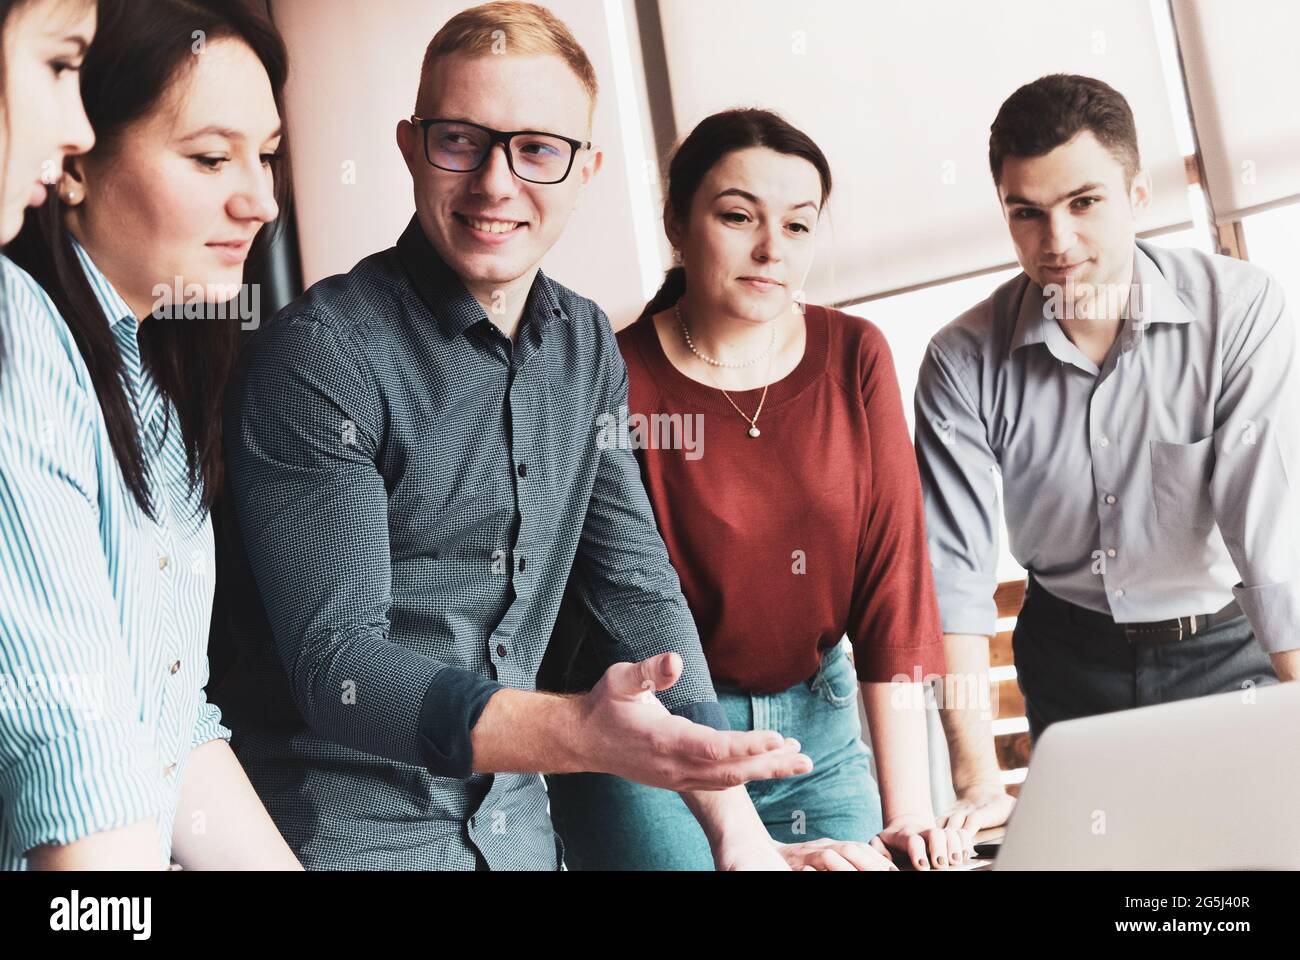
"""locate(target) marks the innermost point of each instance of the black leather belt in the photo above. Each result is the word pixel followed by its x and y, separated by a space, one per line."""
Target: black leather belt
pixel 1159 631
pixel 1179 628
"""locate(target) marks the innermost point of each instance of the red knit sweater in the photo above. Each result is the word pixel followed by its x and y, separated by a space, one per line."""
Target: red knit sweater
pixel 786 542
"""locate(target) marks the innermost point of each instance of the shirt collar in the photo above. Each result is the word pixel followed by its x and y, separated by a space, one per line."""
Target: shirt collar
pixel 110 301
pixel 443 292
pixel 1152 300
pixel 125 327
pixel 1157 300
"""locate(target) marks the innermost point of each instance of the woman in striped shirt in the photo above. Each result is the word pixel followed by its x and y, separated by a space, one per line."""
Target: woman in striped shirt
pixel 110 754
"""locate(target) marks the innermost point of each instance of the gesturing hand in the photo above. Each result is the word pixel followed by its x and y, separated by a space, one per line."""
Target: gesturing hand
pixel 629 733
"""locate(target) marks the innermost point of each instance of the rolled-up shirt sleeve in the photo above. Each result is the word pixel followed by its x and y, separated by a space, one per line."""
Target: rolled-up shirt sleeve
pixel 1255 485
pixel 303 428
pixel 207 718
pixel 959 486
pixel 625 577
pixel 75 756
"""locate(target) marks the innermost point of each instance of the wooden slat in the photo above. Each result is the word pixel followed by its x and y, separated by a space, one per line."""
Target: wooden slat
pixel 1010 701
pixel 1012 750
pixel 1000 650
pixel 1010 597
pixel 1232 240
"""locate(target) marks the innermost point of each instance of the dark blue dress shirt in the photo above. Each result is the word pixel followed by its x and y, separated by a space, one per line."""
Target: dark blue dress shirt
pixel 410 491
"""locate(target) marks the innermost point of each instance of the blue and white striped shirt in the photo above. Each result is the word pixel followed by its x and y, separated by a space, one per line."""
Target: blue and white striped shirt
pixel 104 613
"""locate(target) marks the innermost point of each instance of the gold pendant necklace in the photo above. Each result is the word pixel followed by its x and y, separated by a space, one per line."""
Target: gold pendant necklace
pixel 770 352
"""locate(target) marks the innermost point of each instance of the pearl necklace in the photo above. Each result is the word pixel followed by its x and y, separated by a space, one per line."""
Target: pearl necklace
pixel 752 421
pixel 677 308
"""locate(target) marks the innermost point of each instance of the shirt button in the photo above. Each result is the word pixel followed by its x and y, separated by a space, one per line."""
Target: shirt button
pixel 1110 552
pixel 522 562
pixel 162 562
pixel 169 769
pixel 1110 498
pixel 176 665
pixel 501 649
pixel 1119 592
pixel 522 469
pixel 1104 442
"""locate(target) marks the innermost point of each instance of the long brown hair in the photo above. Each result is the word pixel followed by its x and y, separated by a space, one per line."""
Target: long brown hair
pixel 712 139
pixel 139 48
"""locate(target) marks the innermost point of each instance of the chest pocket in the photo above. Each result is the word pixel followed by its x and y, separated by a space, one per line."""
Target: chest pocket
pixel 1180 483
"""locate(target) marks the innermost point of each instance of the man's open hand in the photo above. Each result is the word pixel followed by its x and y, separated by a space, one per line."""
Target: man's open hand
pixel 626 731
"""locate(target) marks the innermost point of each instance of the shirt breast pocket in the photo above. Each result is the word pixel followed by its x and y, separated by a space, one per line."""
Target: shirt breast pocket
pixel 1180 483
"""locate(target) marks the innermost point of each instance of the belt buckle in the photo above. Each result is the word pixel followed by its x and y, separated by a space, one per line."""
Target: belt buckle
pixel 1191 627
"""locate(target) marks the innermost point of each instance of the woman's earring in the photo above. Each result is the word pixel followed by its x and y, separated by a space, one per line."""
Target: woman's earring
pixel 69 192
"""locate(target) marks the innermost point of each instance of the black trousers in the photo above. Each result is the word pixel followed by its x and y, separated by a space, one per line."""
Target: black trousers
pixel 1073 662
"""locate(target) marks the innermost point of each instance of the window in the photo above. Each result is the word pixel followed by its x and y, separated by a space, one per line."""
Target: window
pixel 908 321
pixel 1273 242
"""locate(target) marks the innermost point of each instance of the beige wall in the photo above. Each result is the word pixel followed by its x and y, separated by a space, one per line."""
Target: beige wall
pixel 354 68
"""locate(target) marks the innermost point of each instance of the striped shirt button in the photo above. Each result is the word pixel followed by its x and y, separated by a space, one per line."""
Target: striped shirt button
pixel 169 769
pixel 176 665
pixel 162 562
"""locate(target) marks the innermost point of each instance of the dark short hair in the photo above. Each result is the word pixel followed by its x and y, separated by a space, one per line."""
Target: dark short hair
pixel 1052 110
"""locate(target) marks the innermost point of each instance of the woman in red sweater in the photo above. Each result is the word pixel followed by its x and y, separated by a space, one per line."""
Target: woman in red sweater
pixel 774 449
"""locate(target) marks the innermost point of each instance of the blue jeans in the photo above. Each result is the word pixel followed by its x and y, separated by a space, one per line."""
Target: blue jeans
pixel 608 823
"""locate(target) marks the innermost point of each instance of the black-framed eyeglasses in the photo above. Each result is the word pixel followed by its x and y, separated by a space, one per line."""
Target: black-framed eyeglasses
pixel 463 147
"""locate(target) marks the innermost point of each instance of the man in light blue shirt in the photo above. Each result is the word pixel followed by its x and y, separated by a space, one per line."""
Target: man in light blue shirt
pixel 1140 405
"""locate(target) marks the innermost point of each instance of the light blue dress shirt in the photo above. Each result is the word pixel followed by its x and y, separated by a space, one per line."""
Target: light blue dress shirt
pixel 104 612
pixel 1162 484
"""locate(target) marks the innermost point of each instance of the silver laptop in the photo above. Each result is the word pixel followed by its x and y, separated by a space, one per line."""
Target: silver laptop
pixel 1205 784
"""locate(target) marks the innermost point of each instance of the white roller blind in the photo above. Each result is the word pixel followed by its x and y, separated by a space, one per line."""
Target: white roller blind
pixel 900 96
pixel 1242 62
